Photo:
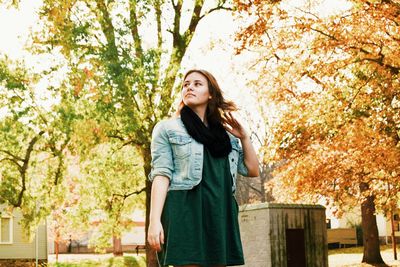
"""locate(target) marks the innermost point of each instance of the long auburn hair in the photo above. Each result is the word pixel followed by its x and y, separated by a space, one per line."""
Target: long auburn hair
pixel 217 105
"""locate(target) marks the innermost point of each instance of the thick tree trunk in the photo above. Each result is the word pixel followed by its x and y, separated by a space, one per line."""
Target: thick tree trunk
pixel 57 249
pixel 151 257
pixel 117 246
pixel 372 254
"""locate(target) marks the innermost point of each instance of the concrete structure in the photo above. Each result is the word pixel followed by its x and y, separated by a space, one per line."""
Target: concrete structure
pixel 15 248
pixel 275 235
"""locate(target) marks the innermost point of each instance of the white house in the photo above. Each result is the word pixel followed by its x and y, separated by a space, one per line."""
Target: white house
pixel 15 248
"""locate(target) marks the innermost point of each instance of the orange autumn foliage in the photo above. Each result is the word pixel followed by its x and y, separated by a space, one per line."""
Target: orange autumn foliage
pixel 334 78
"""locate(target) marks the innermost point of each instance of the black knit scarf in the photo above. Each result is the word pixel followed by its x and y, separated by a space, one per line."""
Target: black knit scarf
pixel 215 137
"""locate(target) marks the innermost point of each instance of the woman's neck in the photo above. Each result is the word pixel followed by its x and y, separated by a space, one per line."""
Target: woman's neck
pixel 201 112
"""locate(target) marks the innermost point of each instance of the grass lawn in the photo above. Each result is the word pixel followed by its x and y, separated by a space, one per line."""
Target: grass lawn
pixel 353 256
pixel 350 257
pixel 125 261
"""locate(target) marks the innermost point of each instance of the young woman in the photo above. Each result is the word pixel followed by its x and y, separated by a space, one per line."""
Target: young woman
pixel 195 160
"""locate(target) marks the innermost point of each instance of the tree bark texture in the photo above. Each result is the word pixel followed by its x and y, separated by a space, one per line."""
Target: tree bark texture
pixel 117 246
pixel 372 254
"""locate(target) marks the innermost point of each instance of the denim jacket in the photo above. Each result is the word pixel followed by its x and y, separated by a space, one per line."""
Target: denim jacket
pixel 176 155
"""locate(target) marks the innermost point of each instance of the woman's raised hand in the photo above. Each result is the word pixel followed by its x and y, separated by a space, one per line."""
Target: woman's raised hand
pixel 233 126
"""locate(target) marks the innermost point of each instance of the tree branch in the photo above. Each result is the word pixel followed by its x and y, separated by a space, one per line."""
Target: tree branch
pixel 157 7
pixel 58 153
pixel 11 155
pixel 116 137
pixel 126 195
pixel 219 7
pixel 358 91
pixel 135 192
pixel 308 12
pixel 134 29
pixel 108 29
pixel 194 21
pixel 13 161
pixel 379 61
pixel 325 34
pixel 24 168
pixel 258 191
pixel 157 62
pixel 177 21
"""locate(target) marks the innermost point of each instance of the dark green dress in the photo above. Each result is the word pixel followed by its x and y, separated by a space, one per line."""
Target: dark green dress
pixel 201 225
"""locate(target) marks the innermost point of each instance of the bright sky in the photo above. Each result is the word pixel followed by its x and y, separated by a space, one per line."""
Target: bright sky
pixel 14 27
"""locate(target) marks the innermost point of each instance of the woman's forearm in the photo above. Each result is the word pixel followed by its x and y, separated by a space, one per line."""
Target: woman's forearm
pixel 159 190
pixel 250 156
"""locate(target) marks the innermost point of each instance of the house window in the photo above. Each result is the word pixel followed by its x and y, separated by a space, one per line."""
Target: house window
pixel 6 227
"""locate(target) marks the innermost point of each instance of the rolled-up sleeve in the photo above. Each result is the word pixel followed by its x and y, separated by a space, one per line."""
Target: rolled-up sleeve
pixel 242 169
pixel 161 153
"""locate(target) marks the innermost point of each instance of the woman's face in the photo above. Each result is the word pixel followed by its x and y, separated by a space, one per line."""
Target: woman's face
pixel 195 90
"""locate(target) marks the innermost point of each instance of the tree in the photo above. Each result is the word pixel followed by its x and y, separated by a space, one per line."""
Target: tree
pixel 32 145
pixel 109 190
pixel 65 221
pixel 132 83
pixel 256 189
pixel 335 79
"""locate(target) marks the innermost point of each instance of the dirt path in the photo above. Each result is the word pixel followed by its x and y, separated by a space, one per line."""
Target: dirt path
pixel 354 260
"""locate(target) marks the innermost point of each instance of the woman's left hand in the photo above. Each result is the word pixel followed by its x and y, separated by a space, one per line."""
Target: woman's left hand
pixel 233 126
pixel 250 156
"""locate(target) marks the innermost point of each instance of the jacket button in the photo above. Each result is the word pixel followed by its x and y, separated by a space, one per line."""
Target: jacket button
pixel 233 160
